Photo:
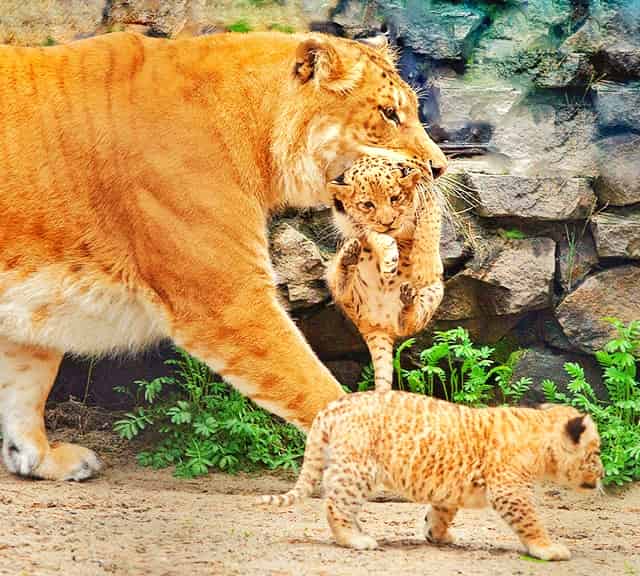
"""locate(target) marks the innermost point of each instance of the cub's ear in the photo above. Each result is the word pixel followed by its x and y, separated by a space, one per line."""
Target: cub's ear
pixel 574 428
pixel 338 188
pixel 409 177
pixel 318 60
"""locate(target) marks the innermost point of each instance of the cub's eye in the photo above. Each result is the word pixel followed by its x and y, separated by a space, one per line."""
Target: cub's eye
pixel 395 199
pixel 390 114
pixel 366 206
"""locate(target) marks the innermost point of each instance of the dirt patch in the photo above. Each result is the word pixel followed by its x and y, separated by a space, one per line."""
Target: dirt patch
pixel 133 520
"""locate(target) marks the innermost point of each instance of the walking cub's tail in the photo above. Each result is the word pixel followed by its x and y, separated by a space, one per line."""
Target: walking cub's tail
pixel 314 457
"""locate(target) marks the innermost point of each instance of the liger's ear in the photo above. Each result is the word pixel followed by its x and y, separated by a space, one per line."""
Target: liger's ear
pixel 574 428
pixel 318 60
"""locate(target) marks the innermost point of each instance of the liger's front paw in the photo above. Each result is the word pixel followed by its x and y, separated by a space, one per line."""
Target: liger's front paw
pixel 69 462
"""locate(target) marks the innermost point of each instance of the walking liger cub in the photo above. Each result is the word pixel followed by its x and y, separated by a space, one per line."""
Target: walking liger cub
pixel 449 455
pixel 387 276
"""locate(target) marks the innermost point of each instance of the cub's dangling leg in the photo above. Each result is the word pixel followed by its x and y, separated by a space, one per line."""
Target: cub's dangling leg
pixel 27 374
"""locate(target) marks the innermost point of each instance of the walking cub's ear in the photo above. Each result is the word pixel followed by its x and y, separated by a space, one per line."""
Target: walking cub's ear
pixel 318 60
pixel 575 427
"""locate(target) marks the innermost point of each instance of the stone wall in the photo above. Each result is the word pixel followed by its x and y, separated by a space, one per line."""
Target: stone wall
pixel 538 104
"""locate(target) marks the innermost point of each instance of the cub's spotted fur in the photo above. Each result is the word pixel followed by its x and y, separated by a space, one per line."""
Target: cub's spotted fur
pixel 448 455
pixel 387 276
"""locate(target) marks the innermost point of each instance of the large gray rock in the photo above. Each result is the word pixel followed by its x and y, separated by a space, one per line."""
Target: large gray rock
pixel 576 255
pixel 541 198
pixel 618 183
pixel 617 234
pixel 540 364
pixel 517 35
pixel 618 105
pixel 619 53
pixel 299 266
pixel 611 293
pixel 452 244
pixel 468 108
pixel 508 277
pixel 442 31
pixel 162 17
pixel 36 21
pixel 547 137
pixel 571 70
pixel 330 333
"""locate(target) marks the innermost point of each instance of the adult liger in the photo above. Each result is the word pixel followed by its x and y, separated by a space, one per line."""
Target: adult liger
pixel 136 176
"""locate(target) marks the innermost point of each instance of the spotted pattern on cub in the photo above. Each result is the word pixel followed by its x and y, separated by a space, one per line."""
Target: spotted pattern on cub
pixel 448 455
pixel 387 276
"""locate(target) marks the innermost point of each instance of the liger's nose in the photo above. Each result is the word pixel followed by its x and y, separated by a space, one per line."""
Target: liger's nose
pixel 437 169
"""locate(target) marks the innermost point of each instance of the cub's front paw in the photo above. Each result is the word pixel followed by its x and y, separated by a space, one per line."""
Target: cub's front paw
pixel 407 293
pixel 351 252
pixel 390 258
pixel 551 552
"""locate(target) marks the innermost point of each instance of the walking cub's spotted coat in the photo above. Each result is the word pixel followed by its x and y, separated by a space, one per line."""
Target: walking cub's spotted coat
pixel 387 276
pixel 449 455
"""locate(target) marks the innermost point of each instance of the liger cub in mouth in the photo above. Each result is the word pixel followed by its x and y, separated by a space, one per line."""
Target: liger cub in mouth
pixel 448 455
pixel 387 276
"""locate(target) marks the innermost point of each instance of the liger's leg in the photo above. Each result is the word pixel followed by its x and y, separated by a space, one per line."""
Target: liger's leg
pixel 258 349
pixel 27 374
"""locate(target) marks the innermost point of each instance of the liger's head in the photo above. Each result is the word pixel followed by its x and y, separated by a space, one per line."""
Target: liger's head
pixel 362 106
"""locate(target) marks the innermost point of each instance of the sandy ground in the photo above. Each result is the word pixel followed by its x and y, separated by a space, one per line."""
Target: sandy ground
pixel 132 520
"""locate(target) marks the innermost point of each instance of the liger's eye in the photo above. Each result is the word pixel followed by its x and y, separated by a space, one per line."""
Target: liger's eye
pixel 367 206
pixel 395 199
pixel 390 114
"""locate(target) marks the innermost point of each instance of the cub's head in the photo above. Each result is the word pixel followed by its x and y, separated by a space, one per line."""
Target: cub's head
pixel 375 193
pixel 350 101
pixel 574 450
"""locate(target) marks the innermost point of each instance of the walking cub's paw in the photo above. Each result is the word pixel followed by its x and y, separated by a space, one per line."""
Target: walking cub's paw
pixel 551 552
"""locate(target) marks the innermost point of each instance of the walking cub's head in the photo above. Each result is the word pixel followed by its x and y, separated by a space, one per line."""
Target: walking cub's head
pixel 574 450
pixel 376 194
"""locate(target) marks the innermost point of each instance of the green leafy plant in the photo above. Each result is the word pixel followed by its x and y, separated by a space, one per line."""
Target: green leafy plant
pixel 202 423
pixel 286 28
pixel 618 419
pixel 463 372
pixel 241 26
pixel 512 234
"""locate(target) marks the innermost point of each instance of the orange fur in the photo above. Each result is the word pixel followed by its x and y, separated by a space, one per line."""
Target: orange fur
pixel 388 276
pixel 448 455
pixel 136 178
